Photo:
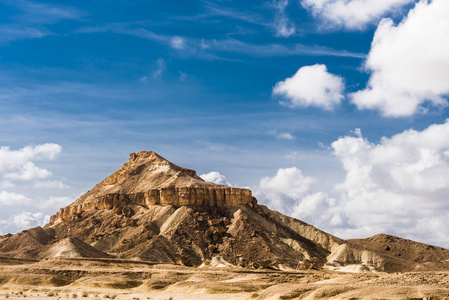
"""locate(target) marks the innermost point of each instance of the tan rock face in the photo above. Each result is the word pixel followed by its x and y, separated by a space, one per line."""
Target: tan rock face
pixel 149 179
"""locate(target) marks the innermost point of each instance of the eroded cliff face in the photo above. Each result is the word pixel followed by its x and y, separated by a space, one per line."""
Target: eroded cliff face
pixel 148 179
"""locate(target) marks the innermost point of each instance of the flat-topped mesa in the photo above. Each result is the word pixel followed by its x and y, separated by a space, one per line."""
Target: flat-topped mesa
pixel 149 179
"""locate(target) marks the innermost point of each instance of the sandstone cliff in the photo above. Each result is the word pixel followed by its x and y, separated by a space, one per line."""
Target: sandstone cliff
pixel 149 179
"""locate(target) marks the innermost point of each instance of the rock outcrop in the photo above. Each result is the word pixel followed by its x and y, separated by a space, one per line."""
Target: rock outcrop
pixel 149 179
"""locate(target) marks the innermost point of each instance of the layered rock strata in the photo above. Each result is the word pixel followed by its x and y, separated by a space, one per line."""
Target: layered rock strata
pixel 149 179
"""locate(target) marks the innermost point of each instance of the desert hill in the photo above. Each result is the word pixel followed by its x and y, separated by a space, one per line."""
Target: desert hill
pixel 431 257
pixel 153 210
pixel 149 179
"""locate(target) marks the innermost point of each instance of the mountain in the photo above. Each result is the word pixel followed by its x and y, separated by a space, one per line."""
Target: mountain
pixel 153 210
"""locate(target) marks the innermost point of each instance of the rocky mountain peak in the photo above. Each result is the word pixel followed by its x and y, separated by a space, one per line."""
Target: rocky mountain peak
pixel 149 179
pixel 149 170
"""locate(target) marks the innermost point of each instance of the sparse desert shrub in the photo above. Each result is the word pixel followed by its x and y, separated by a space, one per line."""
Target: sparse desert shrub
pixel 74 295
pixel 85 294
pixel 50 294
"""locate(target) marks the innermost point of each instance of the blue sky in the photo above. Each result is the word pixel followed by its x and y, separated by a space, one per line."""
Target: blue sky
pixel 206 85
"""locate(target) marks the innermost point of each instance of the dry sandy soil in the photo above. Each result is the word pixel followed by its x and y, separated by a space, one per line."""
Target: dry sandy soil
pixel 121 279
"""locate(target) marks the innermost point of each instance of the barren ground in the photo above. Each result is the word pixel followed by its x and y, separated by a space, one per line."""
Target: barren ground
pixel 121 279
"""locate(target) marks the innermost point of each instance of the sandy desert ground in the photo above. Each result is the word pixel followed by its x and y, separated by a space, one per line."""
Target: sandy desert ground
pixel 121 279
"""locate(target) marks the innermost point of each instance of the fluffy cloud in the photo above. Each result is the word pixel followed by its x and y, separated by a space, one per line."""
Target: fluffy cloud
pixel 7 198
pixel 215 177
pixel 397 186
pixel 352 14
pixel 409 64
pixel 23 220
pixel 311 86
pixel 284 189
pixel 18 165
pixel 28 172
pixel 291 193
pixel 320 210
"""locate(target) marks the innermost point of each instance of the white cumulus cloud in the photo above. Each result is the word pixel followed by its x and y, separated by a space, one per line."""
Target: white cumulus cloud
pixel 23 220
pixel 352 14
pixel 398 185
pixel 292 193
pixel 18 164
pixel 10 199
pixel 408 63
pixel 311 86
pixel 20 178
pixel 319 209
pixel 215 177
pixel 28 171
pixel 284 189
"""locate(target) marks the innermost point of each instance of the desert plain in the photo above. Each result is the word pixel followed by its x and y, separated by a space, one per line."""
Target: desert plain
pixel 69 278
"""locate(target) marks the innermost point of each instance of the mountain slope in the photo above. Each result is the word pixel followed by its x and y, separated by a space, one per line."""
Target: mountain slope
pixel 429 256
